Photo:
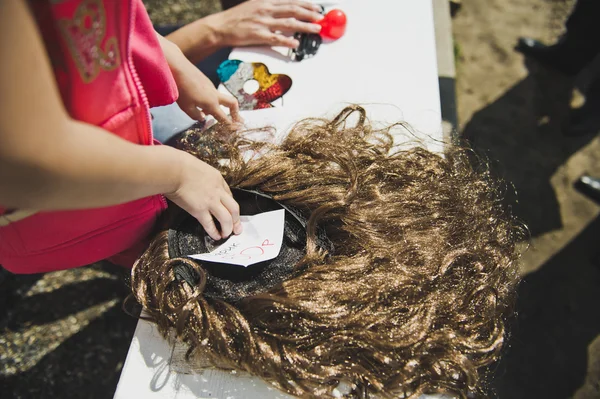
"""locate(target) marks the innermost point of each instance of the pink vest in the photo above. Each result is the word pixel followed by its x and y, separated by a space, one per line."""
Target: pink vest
pixel 110 70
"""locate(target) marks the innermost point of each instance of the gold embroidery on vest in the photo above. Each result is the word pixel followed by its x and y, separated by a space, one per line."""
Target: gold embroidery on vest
pixel 84 35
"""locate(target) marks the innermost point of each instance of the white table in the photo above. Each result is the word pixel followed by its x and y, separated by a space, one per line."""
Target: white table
pixel 387 62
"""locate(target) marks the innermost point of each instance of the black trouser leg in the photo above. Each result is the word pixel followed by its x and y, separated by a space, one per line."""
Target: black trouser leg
pixel 581 42
pixel 593 91
pixel 586 119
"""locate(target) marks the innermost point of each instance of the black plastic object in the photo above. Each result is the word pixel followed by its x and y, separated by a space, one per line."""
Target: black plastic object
pixel 309 44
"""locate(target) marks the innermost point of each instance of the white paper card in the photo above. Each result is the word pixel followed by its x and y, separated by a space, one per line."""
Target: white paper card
pixel 260 240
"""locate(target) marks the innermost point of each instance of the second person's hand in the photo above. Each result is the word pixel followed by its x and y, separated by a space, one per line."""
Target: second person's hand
pixel 265 22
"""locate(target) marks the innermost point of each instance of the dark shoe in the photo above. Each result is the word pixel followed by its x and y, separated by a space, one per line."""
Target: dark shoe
pixel 590 186
pixel 555 56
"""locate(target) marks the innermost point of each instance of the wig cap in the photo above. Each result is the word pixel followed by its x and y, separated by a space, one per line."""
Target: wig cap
pixel 231 282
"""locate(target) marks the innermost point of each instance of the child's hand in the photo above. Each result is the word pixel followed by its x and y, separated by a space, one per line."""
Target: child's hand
pixel 203 193
pixel 197 95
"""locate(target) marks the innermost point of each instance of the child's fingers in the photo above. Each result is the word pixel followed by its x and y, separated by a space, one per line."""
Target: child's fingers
pixel 234 209
pixel 233 105
pixel 276 39
pixel 226 188
pixel 194 112
pixel 222 214
pixel 219 114
pixel 293 25
pixel 293 7
pixel 206 220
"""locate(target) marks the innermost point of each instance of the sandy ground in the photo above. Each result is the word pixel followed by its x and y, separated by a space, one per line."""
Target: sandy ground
pixel 515 111
pixel 64 334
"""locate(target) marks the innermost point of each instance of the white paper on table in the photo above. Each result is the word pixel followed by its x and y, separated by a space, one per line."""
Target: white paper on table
pixel 260 240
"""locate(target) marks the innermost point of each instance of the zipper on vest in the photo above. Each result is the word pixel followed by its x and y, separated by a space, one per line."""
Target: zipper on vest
pixel 147 139
pixel 140 89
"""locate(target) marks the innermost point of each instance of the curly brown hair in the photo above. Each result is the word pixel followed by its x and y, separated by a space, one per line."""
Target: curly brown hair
pixel 414 298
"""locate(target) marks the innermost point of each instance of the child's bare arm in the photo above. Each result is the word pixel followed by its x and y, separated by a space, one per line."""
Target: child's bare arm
pixel 50 161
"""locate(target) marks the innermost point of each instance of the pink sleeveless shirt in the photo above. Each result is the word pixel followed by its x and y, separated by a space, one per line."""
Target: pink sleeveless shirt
pixel 110 70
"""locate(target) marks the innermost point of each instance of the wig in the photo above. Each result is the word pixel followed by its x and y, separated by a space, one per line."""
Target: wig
pixel 397 275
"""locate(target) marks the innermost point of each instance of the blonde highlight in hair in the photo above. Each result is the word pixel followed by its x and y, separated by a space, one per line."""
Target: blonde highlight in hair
pixel 414 296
